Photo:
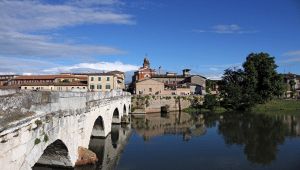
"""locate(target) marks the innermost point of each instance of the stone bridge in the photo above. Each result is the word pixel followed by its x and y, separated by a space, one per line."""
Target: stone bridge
pixel 51 127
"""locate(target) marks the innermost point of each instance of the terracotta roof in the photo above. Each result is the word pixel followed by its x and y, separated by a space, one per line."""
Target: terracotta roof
pixel 55 84
pixel 116 72
pixel 44 77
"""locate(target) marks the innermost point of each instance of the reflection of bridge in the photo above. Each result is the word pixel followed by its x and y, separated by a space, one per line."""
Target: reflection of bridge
pixel 59 124
pixel 109 150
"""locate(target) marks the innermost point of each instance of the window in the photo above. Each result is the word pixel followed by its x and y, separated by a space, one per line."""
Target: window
pixel 83 87
pixel 150 89
pixel 107 86
pixel 107 78
pixel 92 78
pixel 25 88
pixel 92 86
pixel 99 78
pixel 99 86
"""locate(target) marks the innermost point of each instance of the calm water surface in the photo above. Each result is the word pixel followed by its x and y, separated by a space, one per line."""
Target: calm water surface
pixel 179 141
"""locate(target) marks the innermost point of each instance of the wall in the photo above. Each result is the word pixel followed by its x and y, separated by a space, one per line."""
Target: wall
pixel 153 103
pixel 103 82
pixel 144 86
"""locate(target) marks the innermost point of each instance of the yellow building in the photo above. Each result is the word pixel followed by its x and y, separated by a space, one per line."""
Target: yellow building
pixel 105 81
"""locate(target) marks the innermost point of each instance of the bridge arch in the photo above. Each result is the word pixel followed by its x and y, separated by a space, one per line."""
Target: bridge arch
pixel 98 128
pixel 56 154
pixel 116 118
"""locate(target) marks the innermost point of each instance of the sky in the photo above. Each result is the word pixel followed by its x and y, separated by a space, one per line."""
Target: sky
pixel 207 36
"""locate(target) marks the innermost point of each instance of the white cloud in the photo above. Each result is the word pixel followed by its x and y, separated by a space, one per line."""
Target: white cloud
pixel 225 29
pixel 34 15
pixel 292 53
pixel 15 43
pixel 13 65
pixel 99 66
pixel 21 22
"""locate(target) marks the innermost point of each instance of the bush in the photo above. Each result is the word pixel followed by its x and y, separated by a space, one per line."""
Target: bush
pixel 210 102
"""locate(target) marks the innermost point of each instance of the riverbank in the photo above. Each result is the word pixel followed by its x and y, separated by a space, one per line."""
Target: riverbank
pixel 274 107
pixel 279 107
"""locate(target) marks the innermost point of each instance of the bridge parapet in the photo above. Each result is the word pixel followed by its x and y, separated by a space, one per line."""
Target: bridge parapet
pixel 22 106
pixel 30 121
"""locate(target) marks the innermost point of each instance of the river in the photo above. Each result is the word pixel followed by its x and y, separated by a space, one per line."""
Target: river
pixel 179 141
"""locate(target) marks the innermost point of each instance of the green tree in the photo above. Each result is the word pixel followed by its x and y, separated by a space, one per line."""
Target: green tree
pixel 235 93
pixel 257 82
pixel 261 75
pixel 210 102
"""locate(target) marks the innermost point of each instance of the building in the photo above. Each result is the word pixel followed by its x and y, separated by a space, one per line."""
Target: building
pixel 149 87
pixel 119 78
pixel 292 82
pixel 105 82
pixel 144 72
pixel 185 84
pixel 20 80
pixel 71 86
pixel 4 79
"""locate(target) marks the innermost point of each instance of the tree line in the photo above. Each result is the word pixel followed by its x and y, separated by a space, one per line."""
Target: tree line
pixel 256 82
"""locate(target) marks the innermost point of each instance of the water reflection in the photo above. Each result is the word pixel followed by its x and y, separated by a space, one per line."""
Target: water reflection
pixel 109 150
pixel 258 135
pixel 182 123
pixel 209 141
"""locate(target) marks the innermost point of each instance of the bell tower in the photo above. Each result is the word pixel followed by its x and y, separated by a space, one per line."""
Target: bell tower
pixel 146 63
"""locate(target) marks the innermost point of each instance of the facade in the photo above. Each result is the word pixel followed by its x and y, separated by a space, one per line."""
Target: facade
pixel 20 80
pixel 144 72
pixel 292 82
pixel 72 86
pixel 149 87
pixel 185 84
pixel 104 82
pixel 119 77
pixel 4 79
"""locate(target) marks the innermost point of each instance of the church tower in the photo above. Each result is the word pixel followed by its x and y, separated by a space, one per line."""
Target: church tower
pixel 146 63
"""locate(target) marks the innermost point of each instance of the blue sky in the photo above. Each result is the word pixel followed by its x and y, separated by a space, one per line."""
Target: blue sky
pixel 207 36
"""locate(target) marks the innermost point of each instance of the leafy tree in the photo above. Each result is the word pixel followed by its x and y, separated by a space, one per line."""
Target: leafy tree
pixel 260 71
pixel 257 82
pixel 210 101
pixel 236 94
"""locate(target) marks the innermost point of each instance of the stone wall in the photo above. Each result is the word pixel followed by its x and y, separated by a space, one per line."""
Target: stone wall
pixel 7 92
pixel 153 103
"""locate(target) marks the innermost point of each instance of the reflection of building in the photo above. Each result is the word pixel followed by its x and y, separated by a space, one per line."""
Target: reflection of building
pixel 293 124
pixel 173 84
pixel 176 123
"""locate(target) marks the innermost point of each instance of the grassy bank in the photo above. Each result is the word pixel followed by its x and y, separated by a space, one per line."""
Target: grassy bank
pixel 274 107
pixel 279 107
